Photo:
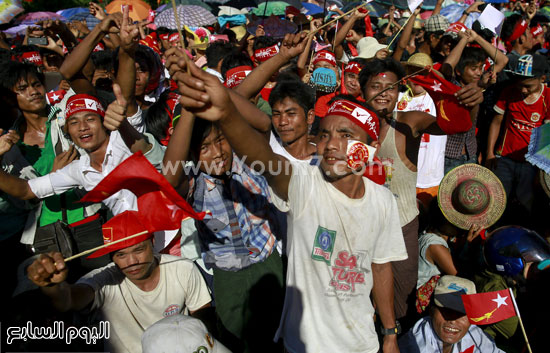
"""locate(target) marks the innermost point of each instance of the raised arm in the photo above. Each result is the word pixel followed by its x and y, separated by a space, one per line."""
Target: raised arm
pixel 437 8
pixel 204 95
pixel 77 66
pixel 406 35
pixel 177 151
pixel 342 32
pixel 49 272
pixel 116 119
pixel 126 74
pixel 257 79
pixel 496 55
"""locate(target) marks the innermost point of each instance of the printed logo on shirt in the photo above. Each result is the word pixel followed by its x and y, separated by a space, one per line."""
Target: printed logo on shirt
pixel 345 273
pixel 388 169
pixel 535 117
pixel 172 309
pixel 323 245
pixel 402 104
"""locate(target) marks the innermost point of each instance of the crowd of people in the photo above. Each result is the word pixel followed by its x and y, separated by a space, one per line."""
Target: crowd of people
pixel 346 181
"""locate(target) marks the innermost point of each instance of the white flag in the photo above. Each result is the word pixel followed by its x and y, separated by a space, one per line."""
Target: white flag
pixel 491 19
pixel 413 4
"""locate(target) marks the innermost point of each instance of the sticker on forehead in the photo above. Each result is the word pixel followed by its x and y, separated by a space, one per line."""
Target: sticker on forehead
pixel 382 74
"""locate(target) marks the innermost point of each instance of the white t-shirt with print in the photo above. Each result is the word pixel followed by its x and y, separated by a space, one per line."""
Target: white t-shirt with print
pixel 332 241
pixel 130 311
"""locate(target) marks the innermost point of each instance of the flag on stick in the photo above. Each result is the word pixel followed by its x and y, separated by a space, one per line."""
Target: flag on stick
pixel 488 308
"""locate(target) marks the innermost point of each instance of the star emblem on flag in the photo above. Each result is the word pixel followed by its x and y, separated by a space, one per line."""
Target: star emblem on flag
pixel 500 300
pixel 437 87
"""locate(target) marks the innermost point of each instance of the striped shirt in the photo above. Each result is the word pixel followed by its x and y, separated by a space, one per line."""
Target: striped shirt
pixel 242 227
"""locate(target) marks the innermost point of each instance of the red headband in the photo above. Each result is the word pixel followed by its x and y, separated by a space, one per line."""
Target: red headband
pixel 174 37
pixel 358 114
pixel 353 67
pixel 32 57
pixel 99 47
pixel 164 36
pixel 266 53
pixel 83 103
pixel 325 55
pixel 537 30
pixel 519 29
pixel 235 76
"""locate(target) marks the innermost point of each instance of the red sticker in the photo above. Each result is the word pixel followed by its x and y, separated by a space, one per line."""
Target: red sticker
pixel 358 154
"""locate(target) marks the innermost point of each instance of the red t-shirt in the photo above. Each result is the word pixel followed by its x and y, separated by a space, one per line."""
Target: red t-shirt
pixel 520 119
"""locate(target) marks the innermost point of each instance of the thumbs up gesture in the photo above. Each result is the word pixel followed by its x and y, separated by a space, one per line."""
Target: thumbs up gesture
pixel 115 115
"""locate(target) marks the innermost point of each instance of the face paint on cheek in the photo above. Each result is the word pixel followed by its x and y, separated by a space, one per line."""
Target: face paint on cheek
pixel 359 154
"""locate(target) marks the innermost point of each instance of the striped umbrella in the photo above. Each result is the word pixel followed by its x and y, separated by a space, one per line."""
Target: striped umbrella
pixel 189 15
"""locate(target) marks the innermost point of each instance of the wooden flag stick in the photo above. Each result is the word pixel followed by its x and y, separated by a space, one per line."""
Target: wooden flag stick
pixel 520 321
pixel 337 18
pixel 89 251
pixel 397 35
pixel 182 42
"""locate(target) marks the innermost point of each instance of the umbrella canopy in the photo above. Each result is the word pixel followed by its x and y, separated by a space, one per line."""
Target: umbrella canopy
pixel 189 15
pixel 273 26
pixel 139 10
pixel 15 30
pixel 403 5
pixel 453 12
pixel 9 9
pixel 33 17
pixel 312 9
pixel 91 21
pixel 71 12
pixel 190 2
pixel 296 3
pixel 375 9
pixel 538 152
pixel 240 4
pixel 276 8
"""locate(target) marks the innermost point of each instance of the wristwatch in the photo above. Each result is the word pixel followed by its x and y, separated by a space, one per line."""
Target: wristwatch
pixel 391 331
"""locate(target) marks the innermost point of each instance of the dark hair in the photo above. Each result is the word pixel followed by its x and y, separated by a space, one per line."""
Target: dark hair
pixel 216 52
pixel 470 56
pixel 508 26
pixel 358 102
pixel 5 56
pixel 144 58
pixel 359 27
pixel 103 60
pixel 158 119
pixel 263 42
pixel 12 72
pixel 289 86
pixel 436 33
pixel 230 35
pixel 377 66
pixel 164 30
pixel 233 60
pixel 485 33
pixel 436 218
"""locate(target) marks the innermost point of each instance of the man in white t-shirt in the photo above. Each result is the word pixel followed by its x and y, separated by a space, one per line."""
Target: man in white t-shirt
pixel 344 229
pixel 132 293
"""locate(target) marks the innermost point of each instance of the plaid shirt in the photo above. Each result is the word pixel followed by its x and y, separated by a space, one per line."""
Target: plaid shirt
pixel 241 229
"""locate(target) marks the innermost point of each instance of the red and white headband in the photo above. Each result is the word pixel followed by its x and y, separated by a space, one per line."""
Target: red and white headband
pixel 364 118
pixel 83 103
pixel 235 76
pixel 325 55
pixel 266 53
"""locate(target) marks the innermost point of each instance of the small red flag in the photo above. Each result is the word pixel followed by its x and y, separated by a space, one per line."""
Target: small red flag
pixel 368 26
pixel 157 212
pixel 469 350
pixel 452 117
pixel 139 176
pixel 488 308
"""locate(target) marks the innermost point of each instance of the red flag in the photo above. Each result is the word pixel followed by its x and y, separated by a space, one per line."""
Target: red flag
pixel 54 97
pixel 158 212
pixel 469 350
pixel 140 177
pixel 488 308
pixel 368 26
pixel 452 117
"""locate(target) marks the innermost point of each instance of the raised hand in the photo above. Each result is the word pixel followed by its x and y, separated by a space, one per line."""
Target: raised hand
pixel 293 45
pixel 48 269
pixel 116 111
pixel 129 33
pixel 111 23
pixel 65 158
pixel 8 140
pixel 202 93
pixel 97 11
